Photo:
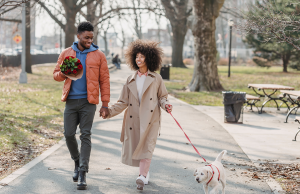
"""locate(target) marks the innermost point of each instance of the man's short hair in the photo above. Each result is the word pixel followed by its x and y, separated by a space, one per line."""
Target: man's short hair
pixel 85 26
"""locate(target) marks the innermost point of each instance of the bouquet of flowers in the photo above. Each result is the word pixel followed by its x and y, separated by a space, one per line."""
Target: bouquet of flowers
pixel 72 68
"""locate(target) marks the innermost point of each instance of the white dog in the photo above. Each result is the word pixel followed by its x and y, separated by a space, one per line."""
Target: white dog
pixel 210 175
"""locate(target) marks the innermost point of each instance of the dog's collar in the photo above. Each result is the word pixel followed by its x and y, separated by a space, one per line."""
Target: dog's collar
pixel 213 172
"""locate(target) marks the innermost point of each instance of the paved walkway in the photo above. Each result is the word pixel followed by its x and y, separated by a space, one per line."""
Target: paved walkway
pixel 173 163
pixel 262 136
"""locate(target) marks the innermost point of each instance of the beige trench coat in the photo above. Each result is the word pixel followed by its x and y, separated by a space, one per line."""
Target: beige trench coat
pixel 141 123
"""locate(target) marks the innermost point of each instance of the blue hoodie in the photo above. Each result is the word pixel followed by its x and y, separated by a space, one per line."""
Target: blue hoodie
pixel 78 88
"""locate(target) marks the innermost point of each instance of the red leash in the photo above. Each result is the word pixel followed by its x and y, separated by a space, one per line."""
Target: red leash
pixel 186 135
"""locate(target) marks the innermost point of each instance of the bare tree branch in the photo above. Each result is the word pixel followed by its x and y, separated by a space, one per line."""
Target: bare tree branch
pixel 10 20
pixel 50 14
pixel 13 3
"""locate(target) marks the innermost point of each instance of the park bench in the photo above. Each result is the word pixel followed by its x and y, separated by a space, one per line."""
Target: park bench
pixel 297 120
pixel 251 101
pixel 292 97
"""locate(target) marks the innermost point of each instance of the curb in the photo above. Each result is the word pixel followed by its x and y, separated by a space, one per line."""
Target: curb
pixel 31 164
pixel 272 183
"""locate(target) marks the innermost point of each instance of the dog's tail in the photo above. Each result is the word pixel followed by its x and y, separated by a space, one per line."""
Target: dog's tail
pixel 220 156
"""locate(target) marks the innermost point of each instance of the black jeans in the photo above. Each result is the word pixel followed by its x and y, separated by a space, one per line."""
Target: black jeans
pixel 79 111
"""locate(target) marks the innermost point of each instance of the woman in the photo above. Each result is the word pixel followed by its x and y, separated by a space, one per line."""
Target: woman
pixel 143 94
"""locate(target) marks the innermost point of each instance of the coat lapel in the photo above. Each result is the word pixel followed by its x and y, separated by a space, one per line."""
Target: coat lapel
pixel 148 81
pixel 132 86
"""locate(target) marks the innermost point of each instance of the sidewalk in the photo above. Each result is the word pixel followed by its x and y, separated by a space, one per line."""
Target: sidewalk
pixel 173 163
pixel 262 136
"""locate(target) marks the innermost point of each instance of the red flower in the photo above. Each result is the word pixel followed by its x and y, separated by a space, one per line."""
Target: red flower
pixel 79 66
pixel 74 71
pixel 65 72
pixel 69 71
pixel 78 61
pixel 68 57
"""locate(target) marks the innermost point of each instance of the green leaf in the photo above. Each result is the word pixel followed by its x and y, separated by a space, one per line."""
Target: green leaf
pixel 75 67
pixel 72 69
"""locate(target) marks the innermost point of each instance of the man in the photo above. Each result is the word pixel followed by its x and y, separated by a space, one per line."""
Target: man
pixel 81 97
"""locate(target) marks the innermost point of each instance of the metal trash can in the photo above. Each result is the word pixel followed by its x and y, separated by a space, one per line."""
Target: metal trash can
pixel 165 72
pixel 233 106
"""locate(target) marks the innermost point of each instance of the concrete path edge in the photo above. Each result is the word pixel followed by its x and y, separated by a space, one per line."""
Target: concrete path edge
pixel 273 184
pixel 31 164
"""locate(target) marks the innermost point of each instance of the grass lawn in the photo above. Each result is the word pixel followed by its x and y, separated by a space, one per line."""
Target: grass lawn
pixel 241 76
pixel 31 117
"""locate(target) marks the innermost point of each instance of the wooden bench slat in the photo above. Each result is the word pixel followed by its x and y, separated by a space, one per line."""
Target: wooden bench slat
pixel 250 97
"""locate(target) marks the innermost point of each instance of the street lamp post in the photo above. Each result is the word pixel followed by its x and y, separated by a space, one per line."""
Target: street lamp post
pixel 230 24
pixel 23 75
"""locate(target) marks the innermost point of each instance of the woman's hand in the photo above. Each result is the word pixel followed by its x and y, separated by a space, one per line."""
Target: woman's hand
pixel 169 106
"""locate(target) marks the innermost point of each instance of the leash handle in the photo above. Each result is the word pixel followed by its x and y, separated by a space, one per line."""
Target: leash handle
pixel 186 135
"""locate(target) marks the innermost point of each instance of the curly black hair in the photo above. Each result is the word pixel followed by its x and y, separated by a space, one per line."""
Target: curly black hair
pixel 85 26
pixel 150 49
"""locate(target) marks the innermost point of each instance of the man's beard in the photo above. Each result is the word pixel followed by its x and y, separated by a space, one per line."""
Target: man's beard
pixel 83 46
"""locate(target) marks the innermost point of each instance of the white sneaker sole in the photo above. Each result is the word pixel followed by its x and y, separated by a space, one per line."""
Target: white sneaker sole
pixel 140 184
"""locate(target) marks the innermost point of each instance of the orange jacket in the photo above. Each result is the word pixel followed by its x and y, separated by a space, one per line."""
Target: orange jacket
pixel 97 75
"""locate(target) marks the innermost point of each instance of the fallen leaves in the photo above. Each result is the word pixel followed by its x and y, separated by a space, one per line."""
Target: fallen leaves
pixel 288 175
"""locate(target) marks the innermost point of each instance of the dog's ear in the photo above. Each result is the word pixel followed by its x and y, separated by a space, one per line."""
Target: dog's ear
pixel 195 172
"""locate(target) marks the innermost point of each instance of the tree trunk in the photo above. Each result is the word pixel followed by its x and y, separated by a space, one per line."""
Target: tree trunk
pixel 285 60
pixel 177 45
pixel 105 43
pixel 70 29
pixel 96 31
pixel 91 17
pixel 205 77
pixel 28 35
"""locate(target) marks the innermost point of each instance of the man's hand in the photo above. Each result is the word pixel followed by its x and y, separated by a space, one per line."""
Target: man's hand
pixel 169 106
pixel 103 112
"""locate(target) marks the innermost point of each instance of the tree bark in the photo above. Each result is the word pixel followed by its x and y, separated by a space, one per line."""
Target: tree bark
pixel 105 43
pixel 91 17
pixel 285 60
pixel 205 77
pixel 96 31
pixel 28 40
pixel 177 12
pixel 177 45
pixel 70 29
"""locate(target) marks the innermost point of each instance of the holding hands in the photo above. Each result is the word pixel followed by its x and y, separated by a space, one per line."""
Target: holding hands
pixel 103 112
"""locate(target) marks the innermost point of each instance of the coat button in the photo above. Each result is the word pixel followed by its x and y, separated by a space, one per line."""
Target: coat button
pixel 130 104
pixel 151 110
pixel 130 116
pixel 150 98
pixel 130 128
